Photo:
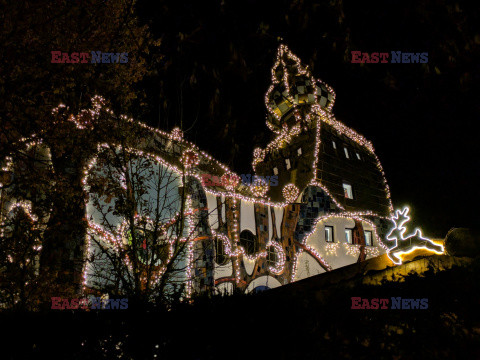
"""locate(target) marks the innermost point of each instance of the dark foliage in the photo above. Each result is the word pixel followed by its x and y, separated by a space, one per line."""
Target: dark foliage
pixel 279 325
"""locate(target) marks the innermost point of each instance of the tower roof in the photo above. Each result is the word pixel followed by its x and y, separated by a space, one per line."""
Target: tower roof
pixel 293 92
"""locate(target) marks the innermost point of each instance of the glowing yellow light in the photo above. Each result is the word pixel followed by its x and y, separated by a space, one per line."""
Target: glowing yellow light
pixel 404 245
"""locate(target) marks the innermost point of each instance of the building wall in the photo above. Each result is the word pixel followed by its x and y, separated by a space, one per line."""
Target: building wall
pixel 338 253
pixel 293 233
pixel 275 225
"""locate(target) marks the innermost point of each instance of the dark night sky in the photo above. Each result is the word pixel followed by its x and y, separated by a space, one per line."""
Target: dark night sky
pixel 420 117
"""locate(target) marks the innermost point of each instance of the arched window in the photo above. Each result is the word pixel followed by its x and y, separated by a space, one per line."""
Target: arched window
pixel 249 242
pixel 221 257
pixel 272 257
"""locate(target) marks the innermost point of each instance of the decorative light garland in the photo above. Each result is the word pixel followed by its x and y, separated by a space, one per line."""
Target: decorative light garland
pixel 230 180
pixel 344 215
pixel 117 241
pixel 323 115
pixel 281 258
pixel 316 182
pixel 191 158
pixel 318 257
pixel 259 187
pixel 331 249
pixel 290 193
pixel 26 206
pixel 176 134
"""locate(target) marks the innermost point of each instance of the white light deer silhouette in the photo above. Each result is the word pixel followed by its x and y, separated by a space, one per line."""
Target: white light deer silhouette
pixel 406 245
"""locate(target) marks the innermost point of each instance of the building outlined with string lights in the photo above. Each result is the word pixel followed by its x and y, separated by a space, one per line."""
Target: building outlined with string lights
pixel 331 206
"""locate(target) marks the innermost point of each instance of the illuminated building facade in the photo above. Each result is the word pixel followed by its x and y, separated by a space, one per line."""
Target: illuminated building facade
pixel 331 207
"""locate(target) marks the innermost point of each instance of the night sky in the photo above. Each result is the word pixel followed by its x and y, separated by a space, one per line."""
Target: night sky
pixel 216 66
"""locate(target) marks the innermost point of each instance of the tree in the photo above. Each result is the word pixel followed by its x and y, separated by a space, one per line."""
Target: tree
pixel 20 244
pixel 31 85
pixel 142 225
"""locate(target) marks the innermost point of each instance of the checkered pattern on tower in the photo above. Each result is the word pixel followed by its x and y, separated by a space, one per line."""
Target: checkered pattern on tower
pixel 293 91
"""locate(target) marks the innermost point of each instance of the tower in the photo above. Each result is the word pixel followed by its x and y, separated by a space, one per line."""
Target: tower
pixel 312 148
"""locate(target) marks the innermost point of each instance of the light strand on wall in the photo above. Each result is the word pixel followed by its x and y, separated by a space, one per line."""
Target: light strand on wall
pixel 344 215
pixel 331 249
pixel 318 257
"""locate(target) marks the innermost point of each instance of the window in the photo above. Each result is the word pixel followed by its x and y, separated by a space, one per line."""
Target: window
pixel 271 256
pixel 346 153
pixel 329 233
pixel 221 257
pixel 275 171
pixel 249 242
pixel 347 188
pixel 334 145
pixel 299 151
pixel 368 238
pixel 359 157
pixel 349 236
pixel 287 162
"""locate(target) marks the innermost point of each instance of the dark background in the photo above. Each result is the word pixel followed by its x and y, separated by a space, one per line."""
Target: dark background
pixel 215 70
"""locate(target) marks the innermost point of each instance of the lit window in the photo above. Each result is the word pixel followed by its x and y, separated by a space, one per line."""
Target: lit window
pixel 249 242
pixel 346 153
pixel 299 151
pixel 287 162
pixel 275 171
pixel 368 238
pixel 347 188
pixel 271 256
pixel 329 233
pixel 349 236
pixel 358 156
pixel 334 145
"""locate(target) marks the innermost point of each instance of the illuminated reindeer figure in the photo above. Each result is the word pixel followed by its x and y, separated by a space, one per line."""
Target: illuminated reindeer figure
pixel 406 245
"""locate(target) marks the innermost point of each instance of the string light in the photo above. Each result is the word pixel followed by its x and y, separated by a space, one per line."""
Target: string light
pixel 359 216
pixel 309 115
pixel 26 206
pixel 318 257
pixel 290 193
pixel 230 180
pixel 259 187
pixel 331 249
pixel 315 114
pixel 280 256
pixel 176 134
pixel 190 158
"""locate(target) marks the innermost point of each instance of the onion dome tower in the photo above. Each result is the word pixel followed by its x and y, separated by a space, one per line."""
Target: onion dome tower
pixel 312 149
pixel 293 93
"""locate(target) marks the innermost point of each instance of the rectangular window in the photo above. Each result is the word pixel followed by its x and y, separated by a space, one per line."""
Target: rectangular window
pixel 299 151
pixel 368 238
pixel 287 162
pixel 346 153
pixel 329 233
pixel 349 236
pixel 347 188
pixel 358 156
